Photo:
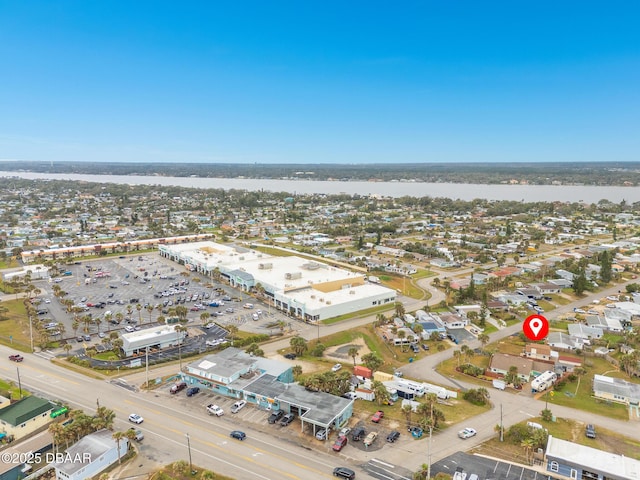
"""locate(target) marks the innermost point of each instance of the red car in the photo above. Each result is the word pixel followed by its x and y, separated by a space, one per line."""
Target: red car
pixel 340 442
pixel 16 358
pixel 377 416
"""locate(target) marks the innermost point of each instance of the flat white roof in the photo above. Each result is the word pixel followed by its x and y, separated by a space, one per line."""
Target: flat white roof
pixel 592 458
pixel 148 333
pixel 315 299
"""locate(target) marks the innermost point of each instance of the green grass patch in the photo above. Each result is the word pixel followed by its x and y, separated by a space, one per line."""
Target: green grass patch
pixel 362 313
pixel 578 395
pixel 10 389
pixel 107 356
pixel 14 331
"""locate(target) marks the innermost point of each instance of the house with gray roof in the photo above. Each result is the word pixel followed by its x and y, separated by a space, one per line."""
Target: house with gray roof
pixel 582 331
pixel 560 340
pixel 616 390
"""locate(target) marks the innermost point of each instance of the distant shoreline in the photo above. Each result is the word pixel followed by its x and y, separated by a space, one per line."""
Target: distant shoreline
pixel 455 191
pixel 622 174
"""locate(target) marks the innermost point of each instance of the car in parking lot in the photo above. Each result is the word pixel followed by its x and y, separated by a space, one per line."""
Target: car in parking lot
pixel 191 391
pixel 344 472
pixel 339 443
pixel 215 410
pixel 357 434
pixel 322 434
pixel 393 436
pixel 287 419
pixel 87 337
pixel 344 431
pixel 377 416
pixel 275 416
pixel 466 433
pixel 178 387
pixel 238 435
pixel 129 329
pixel 79 339
pixel 370 438
pixel 239 405
pixel 135 418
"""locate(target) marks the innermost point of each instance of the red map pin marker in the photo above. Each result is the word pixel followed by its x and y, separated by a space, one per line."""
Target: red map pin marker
pixel 535 327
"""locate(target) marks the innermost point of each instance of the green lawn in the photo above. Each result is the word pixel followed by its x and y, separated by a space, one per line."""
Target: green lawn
pixel 579 396
pixel 14 331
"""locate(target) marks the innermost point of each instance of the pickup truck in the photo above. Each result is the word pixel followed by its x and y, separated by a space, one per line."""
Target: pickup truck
pixel 215 410
pixel 16 358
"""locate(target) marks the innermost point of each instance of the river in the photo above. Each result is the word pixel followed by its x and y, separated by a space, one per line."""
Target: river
pixel 526 193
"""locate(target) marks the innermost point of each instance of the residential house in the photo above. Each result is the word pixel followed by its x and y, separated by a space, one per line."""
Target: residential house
pixel 616 390
pixel 547 288
pixel 575 461
pixel 560 340
pixel 530 293
pixel 501 363
pixel 606 323
pixel 584 332
pixel 537 351
pixel 452 321
pixel 90 456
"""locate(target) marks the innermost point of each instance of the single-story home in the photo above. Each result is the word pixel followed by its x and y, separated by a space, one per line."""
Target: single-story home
pixel 616 390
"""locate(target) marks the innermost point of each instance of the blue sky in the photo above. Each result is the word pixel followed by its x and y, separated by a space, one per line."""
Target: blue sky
pixel 319 82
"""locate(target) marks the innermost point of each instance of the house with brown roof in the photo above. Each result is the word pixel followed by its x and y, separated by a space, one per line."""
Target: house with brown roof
pixel 536 351
pixel 527 367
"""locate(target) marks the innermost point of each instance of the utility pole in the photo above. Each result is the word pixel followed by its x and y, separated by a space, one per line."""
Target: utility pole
pixel 501 426
pixel 189 448
pixel 429 454
pixel 19 382
pixel 146 365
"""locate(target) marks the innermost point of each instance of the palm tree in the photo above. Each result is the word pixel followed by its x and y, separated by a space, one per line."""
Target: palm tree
pixel 399 309
pixel 457 354
pixel 204 316
pixel 353 353
pixel 179 330
pixel 407 410
pixel 299 345
pixel 117 436
pixel 104 418
pixel 150 309
pixel 232 330
pixel 57 434
pixel 401 335
pixel 139 309
pixel 380 391
pixel 67 348
pixel 484 339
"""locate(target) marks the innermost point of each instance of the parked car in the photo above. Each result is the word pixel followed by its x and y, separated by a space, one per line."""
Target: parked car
pixel 238 435
pixel 215 410
pixel 416 432
pixel 340 442
pixel 344 472
pixel 393 436
pixel 590 431
pixel 275 416
pixel 322 434
pixel 425 347
pixel 135 418
pixel 370 438
pixel 344 431
pixel 287 419
pixel 191 391
pixel 466 433
pixel 137 434
pixel 16 357
pixel 377 416
pixel 336 367
pixel 239 405
pixel 357 434
pixel 290 356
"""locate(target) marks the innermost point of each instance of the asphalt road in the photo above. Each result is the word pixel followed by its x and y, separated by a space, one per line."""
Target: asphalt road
pixel 166 423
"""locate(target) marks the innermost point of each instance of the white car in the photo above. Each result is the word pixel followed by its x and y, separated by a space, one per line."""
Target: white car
pixel 239 405
pixel 129 329
pixel 466 433
pixel 336 367
pixel 135 418
pixel 215 410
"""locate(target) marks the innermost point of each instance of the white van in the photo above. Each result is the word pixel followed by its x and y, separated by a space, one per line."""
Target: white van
pixel 248 305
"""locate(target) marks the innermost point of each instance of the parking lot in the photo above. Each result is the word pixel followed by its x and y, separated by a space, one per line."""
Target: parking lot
pixel 137 289
pixel 485 468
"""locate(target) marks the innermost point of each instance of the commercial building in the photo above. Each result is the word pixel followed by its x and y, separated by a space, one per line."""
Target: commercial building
pixel 267 384
pixel 576 461
pixel 306 289
pixel 154 338
pixel 91 455
pixel 25 416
